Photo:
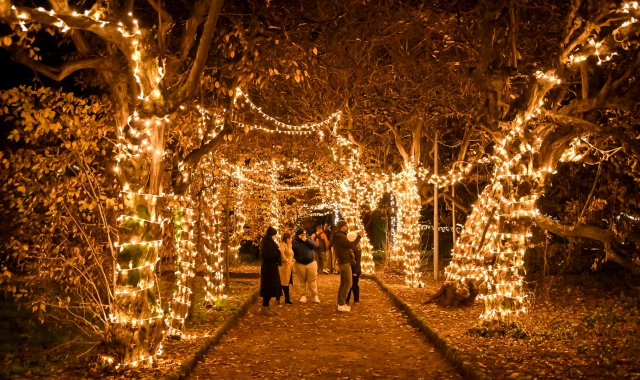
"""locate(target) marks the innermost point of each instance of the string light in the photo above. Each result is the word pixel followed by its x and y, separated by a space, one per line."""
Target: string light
pixel 254 127
pixel 185 265
pixel 407 239
pixel 211 233
pixel 304 127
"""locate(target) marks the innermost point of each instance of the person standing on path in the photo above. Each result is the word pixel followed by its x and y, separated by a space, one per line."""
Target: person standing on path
pixel 269 276
pixel 327 231
pixel 322 251
pixel 343 249
pixel 356 270
pixel 286 269
pixel 332 257
pixel 305 267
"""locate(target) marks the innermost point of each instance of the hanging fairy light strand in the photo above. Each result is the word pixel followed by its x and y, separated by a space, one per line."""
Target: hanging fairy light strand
pixel 302 127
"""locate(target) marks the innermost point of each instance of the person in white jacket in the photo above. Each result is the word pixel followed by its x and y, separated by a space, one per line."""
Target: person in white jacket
pixel 287 266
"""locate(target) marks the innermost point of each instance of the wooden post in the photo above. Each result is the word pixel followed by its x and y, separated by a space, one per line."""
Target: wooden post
pixel 435 209
pixel 200 253
pixel 226 237
pixel 453 214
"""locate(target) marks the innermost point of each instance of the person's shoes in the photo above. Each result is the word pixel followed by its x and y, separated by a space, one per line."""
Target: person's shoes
pixel 288 302
pixel 277 302
pixel 303 299
pixel 343 308
pixel 316 299
pixel 326 271
pixel 348 307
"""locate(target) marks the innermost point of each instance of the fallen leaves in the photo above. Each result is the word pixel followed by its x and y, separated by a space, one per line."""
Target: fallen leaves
pixel 594 337
pixel 310 341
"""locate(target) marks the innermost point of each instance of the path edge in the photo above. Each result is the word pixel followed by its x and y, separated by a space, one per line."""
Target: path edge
pixel 185 368
pixel 451 354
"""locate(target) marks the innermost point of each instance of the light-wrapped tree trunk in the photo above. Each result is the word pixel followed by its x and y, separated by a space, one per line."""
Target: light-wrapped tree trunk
pixel 350 211
pixel 185 220
pixel 489 256
pixel 407 239
pixel 212 236
pixel 137 318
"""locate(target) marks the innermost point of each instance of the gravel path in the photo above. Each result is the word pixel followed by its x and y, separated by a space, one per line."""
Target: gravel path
pixel 312 340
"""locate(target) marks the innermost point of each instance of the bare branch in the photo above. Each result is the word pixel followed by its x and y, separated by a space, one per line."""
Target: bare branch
pixel 612 256
pixel 60 72
pixel 108 31
pixel 588 232
pixel 188 38
pixel 164 14
pixel 165 22
pixel 401 149
pixel 188 89
pixel 593 189
pixel 428 201
pixel 194 157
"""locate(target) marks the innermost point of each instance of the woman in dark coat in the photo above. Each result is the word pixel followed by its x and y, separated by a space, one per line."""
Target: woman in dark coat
pixel 269 277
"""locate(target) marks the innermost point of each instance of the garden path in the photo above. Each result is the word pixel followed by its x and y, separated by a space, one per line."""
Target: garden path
pixel 314 341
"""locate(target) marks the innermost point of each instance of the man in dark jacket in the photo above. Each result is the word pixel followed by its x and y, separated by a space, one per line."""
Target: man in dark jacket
pixel 306 268
pixel 343 249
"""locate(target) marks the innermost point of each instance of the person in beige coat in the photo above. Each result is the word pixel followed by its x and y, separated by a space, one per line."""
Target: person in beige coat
pixel 287 266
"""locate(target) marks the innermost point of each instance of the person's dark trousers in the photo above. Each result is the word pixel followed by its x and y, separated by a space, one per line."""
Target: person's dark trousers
pixel 355 288
pixel 287 298
pixel 265 301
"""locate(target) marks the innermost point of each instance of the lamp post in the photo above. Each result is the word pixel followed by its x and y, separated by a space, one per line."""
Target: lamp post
pixel 435 208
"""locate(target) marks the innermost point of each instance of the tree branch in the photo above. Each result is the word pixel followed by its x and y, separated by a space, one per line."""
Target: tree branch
pixel 591 104
pixel 164 14
pixel 403 152
pixel 574 122
pixel 108 31
pixel 60 72
pixel 593 189
pixel 457 203
pixel 165 22
pixel 448 197
pixel 188 37
pixel 194 156
pixel 581 231
pixel 188 89
pixel 612 256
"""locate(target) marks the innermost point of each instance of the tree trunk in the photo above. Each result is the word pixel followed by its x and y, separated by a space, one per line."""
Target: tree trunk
pixel 137 319
pixel 407 240
pixel 184 222
pixel 350 211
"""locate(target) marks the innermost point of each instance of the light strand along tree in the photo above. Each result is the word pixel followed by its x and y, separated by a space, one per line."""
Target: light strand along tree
pixel 147 86
pixel 533 135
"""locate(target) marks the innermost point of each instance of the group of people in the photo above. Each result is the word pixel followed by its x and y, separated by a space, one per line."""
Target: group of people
pixel 307 256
